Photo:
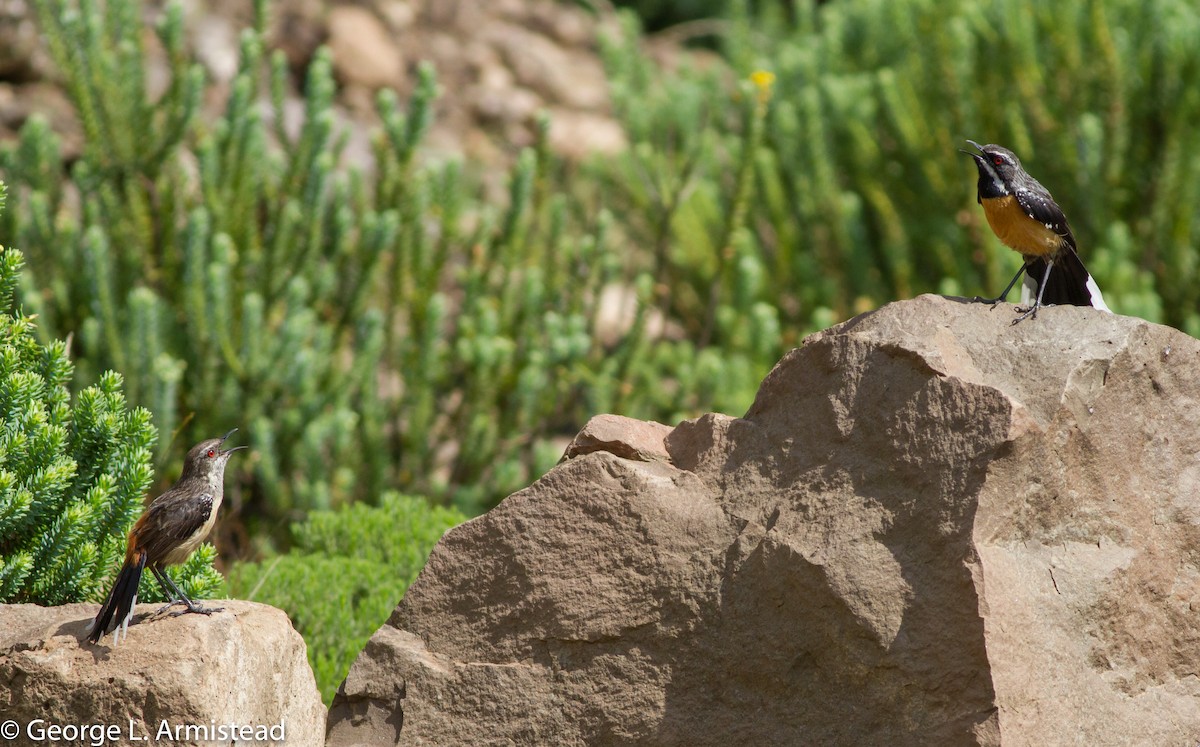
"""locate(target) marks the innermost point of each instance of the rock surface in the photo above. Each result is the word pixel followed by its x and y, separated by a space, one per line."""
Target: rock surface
pixel 623 437
pixel 931 528
pixel 246 666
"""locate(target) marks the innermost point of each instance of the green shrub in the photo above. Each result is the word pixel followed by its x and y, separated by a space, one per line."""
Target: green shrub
pixel 72 475
pixel 345 575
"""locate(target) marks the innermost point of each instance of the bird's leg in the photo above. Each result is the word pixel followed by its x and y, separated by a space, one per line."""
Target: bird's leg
pixel 1037 304
pixel 178 597
pixel 1000 299
pixel 170 589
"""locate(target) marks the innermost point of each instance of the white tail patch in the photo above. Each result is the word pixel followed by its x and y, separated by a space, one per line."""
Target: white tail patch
pixel 1097 299
pixel 122 630
pixel 1029 289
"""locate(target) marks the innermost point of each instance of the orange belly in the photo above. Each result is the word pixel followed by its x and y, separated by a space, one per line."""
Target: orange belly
pixel 1018 231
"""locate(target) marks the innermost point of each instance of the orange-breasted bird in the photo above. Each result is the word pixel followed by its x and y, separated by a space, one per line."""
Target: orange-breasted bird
pixel 1025 217
pixel 172 526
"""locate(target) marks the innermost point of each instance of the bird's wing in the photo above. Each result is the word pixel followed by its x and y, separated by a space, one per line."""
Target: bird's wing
pixel 169 521
pixel 1039 205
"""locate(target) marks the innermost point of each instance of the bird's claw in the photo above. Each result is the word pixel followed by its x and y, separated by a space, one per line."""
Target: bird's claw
pixel 168 606
pixel 198 610
pixel 993 301
pixel 1030 312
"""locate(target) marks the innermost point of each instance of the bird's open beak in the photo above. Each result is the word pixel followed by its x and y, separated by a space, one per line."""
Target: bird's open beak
pixel 235 448
pixel 978 147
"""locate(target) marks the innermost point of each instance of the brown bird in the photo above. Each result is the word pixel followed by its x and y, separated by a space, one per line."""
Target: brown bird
pixel 171 527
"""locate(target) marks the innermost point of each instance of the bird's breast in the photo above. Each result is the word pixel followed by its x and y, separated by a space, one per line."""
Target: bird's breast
pixel 1018 231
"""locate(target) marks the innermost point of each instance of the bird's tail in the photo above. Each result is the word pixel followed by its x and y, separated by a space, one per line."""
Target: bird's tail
pixel 1069 282
pixel 118 608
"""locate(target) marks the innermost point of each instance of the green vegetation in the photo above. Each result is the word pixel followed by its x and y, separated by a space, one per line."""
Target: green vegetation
pixel 72 475
pixel 364 330
pixel 395 329
pixel 399 329
pixel 344 575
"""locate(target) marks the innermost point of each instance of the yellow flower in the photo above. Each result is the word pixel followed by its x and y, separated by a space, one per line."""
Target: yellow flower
pixel 763 80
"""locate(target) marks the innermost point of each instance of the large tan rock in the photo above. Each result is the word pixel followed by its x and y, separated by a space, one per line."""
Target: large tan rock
pixel 245 666
pixel 931 527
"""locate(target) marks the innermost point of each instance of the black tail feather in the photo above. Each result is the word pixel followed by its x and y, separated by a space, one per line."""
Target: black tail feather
pixel 1069 282
pixel 118 608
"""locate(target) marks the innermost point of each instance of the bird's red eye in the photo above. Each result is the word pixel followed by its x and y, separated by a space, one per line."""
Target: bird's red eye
pixel 998 160
pixel 212 453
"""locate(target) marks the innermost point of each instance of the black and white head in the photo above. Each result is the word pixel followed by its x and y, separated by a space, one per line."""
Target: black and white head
pixel 998 167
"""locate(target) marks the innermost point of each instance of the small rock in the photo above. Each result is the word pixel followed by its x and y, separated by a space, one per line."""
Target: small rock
pixel 627 438
pixel 539 63
pixel 576 134
pixel 617 312
pixel 399 14
pixel 216 44
pixel 363 51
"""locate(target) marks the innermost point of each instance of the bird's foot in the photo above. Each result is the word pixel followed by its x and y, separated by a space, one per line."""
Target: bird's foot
pixel 168 606
pixel 1030 313
pixel 993 301
pixel 197 609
